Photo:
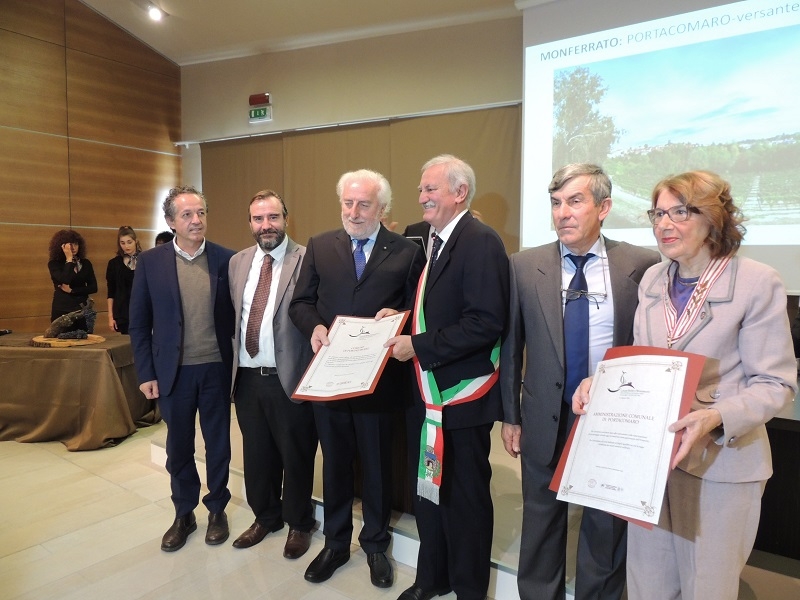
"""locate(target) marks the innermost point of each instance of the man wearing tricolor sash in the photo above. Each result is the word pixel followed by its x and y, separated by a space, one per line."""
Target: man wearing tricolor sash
pixel 459 318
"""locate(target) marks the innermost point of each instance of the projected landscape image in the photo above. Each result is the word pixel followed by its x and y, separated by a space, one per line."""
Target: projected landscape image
pixel 728 105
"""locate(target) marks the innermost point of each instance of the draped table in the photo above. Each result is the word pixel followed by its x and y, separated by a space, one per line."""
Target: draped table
pixel 84 396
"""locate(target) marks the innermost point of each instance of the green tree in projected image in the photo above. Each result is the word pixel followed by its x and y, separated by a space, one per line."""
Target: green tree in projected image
pixel 580 132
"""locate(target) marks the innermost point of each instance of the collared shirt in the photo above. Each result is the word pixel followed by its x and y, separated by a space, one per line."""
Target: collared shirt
pixel 186 255
pixel 447 231
pixel 601 309
pixel 369 245
pixel 266 339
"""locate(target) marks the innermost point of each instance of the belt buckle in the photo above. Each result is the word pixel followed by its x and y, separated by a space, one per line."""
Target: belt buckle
pixel 267 371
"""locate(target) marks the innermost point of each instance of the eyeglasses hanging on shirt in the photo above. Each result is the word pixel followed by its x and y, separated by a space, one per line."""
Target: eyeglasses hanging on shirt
pixel 596 297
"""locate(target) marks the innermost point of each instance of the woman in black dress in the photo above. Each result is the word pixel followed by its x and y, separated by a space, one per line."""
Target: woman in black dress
pixel 119 277
pixel 72 275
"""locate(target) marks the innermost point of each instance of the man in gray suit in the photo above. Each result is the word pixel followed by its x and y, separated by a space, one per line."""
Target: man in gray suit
pixel 536 424
pixel 270 356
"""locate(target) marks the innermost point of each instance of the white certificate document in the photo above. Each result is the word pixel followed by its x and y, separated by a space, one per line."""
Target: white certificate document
pixel 353 362
pixel 620 455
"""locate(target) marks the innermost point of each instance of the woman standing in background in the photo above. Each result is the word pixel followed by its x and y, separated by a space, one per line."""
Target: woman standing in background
pixel 119 278
pixel 72 275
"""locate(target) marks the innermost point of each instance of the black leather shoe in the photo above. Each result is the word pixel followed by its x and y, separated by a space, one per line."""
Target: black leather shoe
pixel 177 535
pixel 254 534
pixel 327 561
pixel 417 593
pixel 217 531
pixel 380 570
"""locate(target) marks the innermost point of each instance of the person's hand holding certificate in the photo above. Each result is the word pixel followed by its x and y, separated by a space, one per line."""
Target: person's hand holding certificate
pixel 619 457
pixel 353 362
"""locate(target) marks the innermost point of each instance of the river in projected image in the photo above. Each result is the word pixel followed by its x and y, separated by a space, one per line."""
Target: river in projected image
pixel 727 105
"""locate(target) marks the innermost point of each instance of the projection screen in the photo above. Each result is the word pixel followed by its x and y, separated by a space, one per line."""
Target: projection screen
pixel 715 89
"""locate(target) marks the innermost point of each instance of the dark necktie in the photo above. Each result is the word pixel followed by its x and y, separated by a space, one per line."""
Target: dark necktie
pixel 359 257
pixel 258 306
pixel 576 330
pixel 437 243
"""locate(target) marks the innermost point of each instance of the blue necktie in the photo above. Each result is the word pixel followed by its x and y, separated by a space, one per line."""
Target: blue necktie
pixel 359 257
pixel 576 330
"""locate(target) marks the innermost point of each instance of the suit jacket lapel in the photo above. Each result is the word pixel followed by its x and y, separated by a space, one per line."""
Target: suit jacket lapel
pixel 290 260
pixel 213 270
pixel 550 297
pixel 444 252
pixel 380 252
pixel 240 279
pixel 624 290
pixel 344 249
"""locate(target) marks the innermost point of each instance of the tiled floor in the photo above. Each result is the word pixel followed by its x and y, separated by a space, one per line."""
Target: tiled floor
pixel 87 525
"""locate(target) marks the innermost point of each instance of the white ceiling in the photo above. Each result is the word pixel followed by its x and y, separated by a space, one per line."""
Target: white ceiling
pixel 207 30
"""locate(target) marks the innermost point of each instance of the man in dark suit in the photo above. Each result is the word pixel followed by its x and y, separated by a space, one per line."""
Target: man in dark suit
pixel 357 271
pixel 459 319
pixel 269 358
pixel 181 328
pixel 420 231
pixel 536 426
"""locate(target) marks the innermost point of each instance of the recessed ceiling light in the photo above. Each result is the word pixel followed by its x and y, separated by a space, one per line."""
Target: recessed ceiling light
pixel 155 13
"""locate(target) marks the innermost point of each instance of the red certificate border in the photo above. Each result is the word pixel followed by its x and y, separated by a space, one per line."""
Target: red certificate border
pixel 694 370
pixel 300 396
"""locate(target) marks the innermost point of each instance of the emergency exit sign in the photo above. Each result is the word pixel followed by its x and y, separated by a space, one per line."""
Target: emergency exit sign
pixel 261 114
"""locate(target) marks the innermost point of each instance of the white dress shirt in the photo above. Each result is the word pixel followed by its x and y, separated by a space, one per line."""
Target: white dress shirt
pixel 266 340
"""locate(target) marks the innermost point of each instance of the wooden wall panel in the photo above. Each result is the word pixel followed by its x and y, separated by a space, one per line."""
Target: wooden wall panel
pixel 25 286
pixel 112 186
pixel 91 33
pixel 119 104
pixel 124 105
pixel 237 170
pixel 315 160
pixel 32 84
pixel 42 19
pixel 34 178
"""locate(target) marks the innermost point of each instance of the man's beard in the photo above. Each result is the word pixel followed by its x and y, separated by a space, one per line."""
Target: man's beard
pixel 270 243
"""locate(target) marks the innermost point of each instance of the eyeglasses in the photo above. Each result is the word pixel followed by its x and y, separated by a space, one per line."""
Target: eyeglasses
pixel 596 297
pixel 676 214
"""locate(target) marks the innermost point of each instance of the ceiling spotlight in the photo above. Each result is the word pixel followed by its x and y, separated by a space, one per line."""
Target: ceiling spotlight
pixel 155 13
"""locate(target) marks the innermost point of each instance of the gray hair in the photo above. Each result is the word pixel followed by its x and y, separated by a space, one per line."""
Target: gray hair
pixel 169 202
pixel 599 182
pixel 458 173
pixel 381 183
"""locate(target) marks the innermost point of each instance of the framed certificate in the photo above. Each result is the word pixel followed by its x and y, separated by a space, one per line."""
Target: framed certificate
pixel 353 362
pixel 619 453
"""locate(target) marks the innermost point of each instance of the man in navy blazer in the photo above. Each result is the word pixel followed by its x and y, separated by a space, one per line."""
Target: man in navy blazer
pixel 465 304
pixel 181 330
pixel 329 285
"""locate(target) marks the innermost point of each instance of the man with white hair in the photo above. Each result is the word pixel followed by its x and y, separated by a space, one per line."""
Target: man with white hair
pixel 357 271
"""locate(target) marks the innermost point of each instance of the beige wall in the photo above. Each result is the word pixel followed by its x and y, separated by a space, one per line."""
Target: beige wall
pixel 405 74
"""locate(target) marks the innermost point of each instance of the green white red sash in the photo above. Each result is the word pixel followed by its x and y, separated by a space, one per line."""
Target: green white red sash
pixel 431 450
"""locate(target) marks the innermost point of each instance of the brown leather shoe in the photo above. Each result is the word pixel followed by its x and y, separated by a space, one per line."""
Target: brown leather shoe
pixel 177 535
pixel 217 531
pixel 254 534
pixel 297 543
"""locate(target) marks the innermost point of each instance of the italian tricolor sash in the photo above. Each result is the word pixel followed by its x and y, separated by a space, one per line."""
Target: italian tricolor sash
pixel 431 447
